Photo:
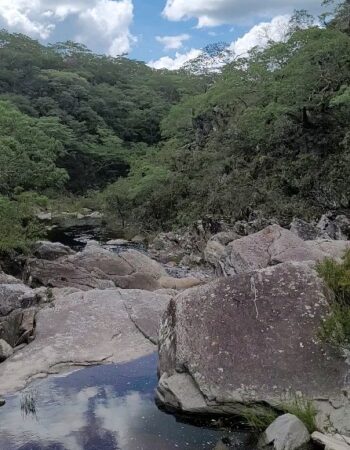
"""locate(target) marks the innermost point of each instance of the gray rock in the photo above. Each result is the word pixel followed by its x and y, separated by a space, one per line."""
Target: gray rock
pixel 331 442
pixel 2 402
pixel 5 350
pixel 287 432
pixel 343 227
pixel 221 446
pixel 305 230
pixel 51 250
pixel 248 339
pixel 225 237
pixel 97 268
pixel 327 226
pixel 118 242
pixel 271 246
pixel 16 296
pixel 86 328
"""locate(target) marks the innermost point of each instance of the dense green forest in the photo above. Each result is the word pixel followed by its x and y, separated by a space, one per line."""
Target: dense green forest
pixel 160 149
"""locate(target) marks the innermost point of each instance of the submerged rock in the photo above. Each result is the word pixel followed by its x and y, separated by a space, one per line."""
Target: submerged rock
pixel 248 339
pixel 287 432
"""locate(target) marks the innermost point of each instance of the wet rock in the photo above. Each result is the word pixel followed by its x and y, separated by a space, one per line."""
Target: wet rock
pixel 287 432
pixel 221 446
pixel 118 242
pixel 5 350
pixel 331 442
pixel 85 328
pixel 248 339
pixel 51 250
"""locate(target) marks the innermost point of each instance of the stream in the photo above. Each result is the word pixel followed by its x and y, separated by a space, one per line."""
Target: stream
pixel 108 407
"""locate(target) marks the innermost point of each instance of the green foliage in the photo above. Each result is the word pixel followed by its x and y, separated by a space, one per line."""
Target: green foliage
pixel 18 227
pixel 259 417
pixel 304 409
pixel 336 327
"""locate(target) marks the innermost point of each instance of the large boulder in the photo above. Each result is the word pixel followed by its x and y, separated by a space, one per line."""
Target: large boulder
pixel 97 268
pixel 272 246
pixel 51 250
pixel 86 328
pixel 287 432
pixel 248 339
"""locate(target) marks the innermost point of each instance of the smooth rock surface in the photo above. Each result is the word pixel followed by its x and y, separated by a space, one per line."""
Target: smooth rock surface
pixel 287 432
pixel 331 442
pixel 246 339
pixel 271 246
pixel 84 328
pixel 96 268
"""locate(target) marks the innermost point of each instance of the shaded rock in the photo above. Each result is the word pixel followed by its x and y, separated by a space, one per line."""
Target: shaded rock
pixel 5 350
pixel 305 230
pixel 51 250
pixel 343 224
pixel 2 402
pixel 84 328
pixel 331 442
pixel 287 432
pixel 248 339
pixel 214 254
pixel 16 296
pixel 327 226
pixel 8 279
pixel 225 237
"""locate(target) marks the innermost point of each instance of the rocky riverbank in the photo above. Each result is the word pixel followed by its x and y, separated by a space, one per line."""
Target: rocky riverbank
pixel 238 330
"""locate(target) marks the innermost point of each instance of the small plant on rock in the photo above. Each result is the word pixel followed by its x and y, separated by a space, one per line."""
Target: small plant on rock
pixel 336 327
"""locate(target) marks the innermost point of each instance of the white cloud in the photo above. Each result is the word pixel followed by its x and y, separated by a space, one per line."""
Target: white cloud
pixel 177 62
pixel 260 35
pixel 217 12
pixel 103 23
pixel 173 42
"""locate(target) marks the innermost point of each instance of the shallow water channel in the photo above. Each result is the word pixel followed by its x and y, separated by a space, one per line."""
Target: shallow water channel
pixel 102 408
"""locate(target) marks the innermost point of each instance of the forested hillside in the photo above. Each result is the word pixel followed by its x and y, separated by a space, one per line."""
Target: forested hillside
pixel 162 149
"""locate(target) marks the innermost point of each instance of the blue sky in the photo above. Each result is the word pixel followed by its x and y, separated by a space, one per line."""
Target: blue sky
pixel 163 32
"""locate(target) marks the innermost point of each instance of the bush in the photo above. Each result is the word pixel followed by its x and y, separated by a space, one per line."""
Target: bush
pixel 336 327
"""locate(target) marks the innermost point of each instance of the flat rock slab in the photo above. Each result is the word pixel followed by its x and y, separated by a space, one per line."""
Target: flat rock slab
pixel 85 328
pixel 248 338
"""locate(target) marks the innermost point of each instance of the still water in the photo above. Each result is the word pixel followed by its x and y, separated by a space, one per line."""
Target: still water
pixel 102 408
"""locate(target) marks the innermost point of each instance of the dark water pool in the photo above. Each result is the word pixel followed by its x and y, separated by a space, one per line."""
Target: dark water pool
pixel 102 408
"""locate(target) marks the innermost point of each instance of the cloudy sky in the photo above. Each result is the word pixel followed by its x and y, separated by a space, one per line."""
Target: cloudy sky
pixel 163 32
